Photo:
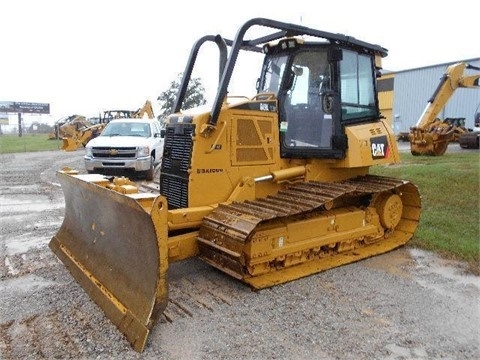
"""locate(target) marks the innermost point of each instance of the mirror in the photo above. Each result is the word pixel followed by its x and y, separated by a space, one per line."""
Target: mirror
pixel 328 102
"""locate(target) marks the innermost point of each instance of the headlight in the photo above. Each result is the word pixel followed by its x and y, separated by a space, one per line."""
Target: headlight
pixel 143 151
pixel 88 151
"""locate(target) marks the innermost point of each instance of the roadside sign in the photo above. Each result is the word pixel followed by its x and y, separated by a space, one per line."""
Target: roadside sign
pixel 7 106
pixel 24 107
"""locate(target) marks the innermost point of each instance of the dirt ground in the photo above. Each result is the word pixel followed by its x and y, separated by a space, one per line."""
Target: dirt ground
pixel 406 304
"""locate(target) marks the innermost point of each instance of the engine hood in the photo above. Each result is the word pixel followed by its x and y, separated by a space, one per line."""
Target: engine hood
pixel 118 141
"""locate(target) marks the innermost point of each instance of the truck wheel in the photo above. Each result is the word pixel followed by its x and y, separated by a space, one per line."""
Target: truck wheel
pixel 150 172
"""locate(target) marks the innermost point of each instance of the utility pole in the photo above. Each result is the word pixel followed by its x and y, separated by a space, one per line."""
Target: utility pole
pixel 19 124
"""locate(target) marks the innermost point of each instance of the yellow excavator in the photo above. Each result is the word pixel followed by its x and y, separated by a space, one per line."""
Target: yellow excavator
pixel 146 109
pixel 267 189
pixel 431 135
pixel 80 133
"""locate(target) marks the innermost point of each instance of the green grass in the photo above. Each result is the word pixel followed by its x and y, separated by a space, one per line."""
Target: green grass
pixel 27 143
pixel 449 187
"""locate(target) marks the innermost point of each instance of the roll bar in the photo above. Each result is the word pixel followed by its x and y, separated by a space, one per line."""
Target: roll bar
pixel 239 43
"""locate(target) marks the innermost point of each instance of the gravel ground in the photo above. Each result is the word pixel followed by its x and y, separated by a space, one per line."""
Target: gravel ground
pixel 406 304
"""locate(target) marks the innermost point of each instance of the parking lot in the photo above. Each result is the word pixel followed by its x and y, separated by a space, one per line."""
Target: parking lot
pixel 406 304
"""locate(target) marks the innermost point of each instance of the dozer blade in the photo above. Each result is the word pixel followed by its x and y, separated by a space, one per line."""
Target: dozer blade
pixel 69 144
pixel 117 251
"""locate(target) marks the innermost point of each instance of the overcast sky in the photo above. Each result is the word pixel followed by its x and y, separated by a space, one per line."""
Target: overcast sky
pixel 83 57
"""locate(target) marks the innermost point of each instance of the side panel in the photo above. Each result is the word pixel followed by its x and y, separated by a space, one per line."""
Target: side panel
pixel 243 144
pixel 369 144
pixel 253 140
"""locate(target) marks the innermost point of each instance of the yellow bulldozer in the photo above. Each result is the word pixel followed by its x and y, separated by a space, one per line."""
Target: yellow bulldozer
pixel 431 135
pixel 267 189
pixel 74 131
pixel 78 134
pixel 67 125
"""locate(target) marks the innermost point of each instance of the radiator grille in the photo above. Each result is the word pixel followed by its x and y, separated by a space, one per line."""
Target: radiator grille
pixel 107 152
pixel 176 161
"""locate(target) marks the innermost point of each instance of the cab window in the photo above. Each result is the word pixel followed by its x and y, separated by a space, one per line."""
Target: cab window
pixel 357 86
pixel 305 125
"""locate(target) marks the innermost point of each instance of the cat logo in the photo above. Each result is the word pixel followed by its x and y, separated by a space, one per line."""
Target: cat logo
pixel 264 107
pixel 379 147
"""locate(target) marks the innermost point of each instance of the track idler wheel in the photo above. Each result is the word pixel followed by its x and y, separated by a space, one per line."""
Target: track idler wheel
pixel 389 208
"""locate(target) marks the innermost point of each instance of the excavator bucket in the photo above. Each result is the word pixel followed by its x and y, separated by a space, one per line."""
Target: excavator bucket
pixel 69 144
pixel 433 142
pixel 116 248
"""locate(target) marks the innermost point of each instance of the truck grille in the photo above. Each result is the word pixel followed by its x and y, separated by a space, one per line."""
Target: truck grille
pixel 177 153
pixel 106 152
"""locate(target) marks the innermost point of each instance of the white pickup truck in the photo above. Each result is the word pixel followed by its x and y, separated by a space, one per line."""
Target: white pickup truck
pixel 126 145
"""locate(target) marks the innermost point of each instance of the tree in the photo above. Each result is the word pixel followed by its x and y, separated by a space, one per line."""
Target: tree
pixel 195 96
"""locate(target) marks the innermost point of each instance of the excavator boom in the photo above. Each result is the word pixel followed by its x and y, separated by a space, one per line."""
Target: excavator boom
pixel 431 136
pixel 146 109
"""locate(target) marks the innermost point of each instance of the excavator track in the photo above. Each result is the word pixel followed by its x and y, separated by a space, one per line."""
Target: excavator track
pixel 309 227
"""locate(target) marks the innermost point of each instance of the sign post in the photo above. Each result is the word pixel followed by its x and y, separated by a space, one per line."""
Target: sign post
pixel 19 124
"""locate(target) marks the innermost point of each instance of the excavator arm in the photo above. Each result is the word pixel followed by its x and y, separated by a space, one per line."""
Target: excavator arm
pixel 145 109
pixel 430 136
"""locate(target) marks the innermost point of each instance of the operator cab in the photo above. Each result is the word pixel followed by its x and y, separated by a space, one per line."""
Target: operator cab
pixel 320 89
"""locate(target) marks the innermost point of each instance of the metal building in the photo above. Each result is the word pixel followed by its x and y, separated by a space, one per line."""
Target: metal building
pixel 403 95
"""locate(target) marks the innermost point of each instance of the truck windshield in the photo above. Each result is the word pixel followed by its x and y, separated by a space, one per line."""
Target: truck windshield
pixel 127 129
